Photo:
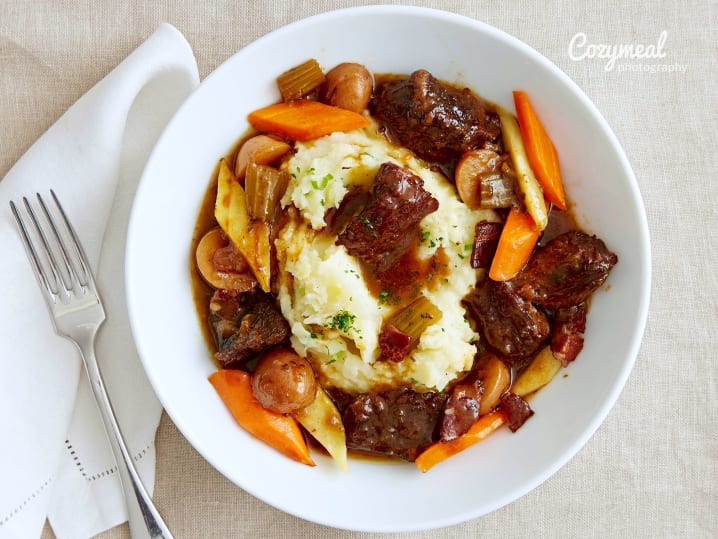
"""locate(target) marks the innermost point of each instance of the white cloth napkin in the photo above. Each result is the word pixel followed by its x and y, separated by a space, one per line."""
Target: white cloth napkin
pixel 55 461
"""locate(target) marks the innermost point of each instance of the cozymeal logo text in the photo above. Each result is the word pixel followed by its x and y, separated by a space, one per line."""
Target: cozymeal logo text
pixel 579 49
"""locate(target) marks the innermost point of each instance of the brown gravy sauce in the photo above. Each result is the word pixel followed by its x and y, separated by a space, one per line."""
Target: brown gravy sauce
pixel 403 282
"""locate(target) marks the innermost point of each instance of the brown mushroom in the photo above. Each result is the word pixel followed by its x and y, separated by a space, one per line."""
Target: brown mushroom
pixel 348 86
pixel 479 181
pixel 284 381
pixel 221 264
pixel 260 149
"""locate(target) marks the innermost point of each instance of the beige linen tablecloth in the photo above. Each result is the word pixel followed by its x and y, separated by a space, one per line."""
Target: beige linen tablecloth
pixel 651 470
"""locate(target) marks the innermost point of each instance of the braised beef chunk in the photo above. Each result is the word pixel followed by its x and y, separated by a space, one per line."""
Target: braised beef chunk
pixel 399 423
pixel 437 122
pixel 461 410
pixel 567 334
pixel 224 310
pixel 353 202
pixel 518 410
pixel 565 271
pixel 394 344
pixel 512 326
pixel 382 231
pixel 486 238
pixel 245 324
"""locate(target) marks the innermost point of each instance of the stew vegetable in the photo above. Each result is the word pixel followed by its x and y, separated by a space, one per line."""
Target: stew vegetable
pixel 388 265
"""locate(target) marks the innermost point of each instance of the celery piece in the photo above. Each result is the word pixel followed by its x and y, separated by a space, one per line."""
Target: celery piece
pixel 300 81
pixel 415 318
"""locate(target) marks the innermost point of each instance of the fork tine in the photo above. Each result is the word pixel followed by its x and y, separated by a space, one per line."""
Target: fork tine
pixel 40 273
pixel 69 262
pixel 88 279
pixel 61 282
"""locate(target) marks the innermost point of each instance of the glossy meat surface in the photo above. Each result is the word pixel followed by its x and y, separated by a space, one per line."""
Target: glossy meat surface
pixel 437 122
pixel 244 325
pixel 567 334
pixel 461 410
pixel 394 344
pixel 512 326
pixel 486 238
pixel 518 410
pixel 399 423
pixel 382 231
pixel 565 271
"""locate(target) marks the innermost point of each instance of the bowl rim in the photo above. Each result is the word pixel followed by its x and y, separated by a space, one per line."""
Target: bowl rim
pixel 645 255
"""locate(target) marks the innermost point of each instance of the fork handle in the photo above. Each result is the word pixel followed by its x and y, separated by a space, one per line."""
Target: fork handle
pixel 144 519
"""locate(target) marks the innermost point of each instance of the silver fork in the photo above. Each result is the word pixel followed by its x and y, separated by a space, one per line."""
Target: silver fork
pixel 67 284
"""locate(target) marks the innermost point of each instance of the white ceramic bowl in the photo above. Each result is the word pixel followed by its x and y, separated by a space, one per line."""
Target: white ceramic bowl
pixel 379 496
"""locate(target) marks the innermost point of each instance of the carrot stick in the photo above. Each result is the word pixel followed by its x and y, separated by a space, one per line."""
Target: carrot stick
pixel 540 150
pixel 305 119
pixel 281 432
pixel 480 430
pixel 516 243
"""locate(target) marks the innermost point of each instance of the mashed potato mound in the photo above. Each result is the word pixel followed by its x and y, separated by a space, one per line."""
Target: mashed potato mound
pixel 334 318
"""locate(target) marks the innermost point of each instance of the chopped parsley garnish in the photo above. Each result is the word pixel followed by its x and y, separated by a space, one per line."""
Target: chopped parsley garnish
pixel 433 243
pixel 386 298
pixel 343 321
pixel 341 354
pixel 319 185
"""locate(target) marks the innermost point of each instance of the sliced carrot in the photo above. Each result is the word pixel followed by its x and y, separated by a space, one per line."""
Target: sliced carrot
pixel 281 432
pixel 540 150
pixel 480 430
pixel 516 243
pixel 305 119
